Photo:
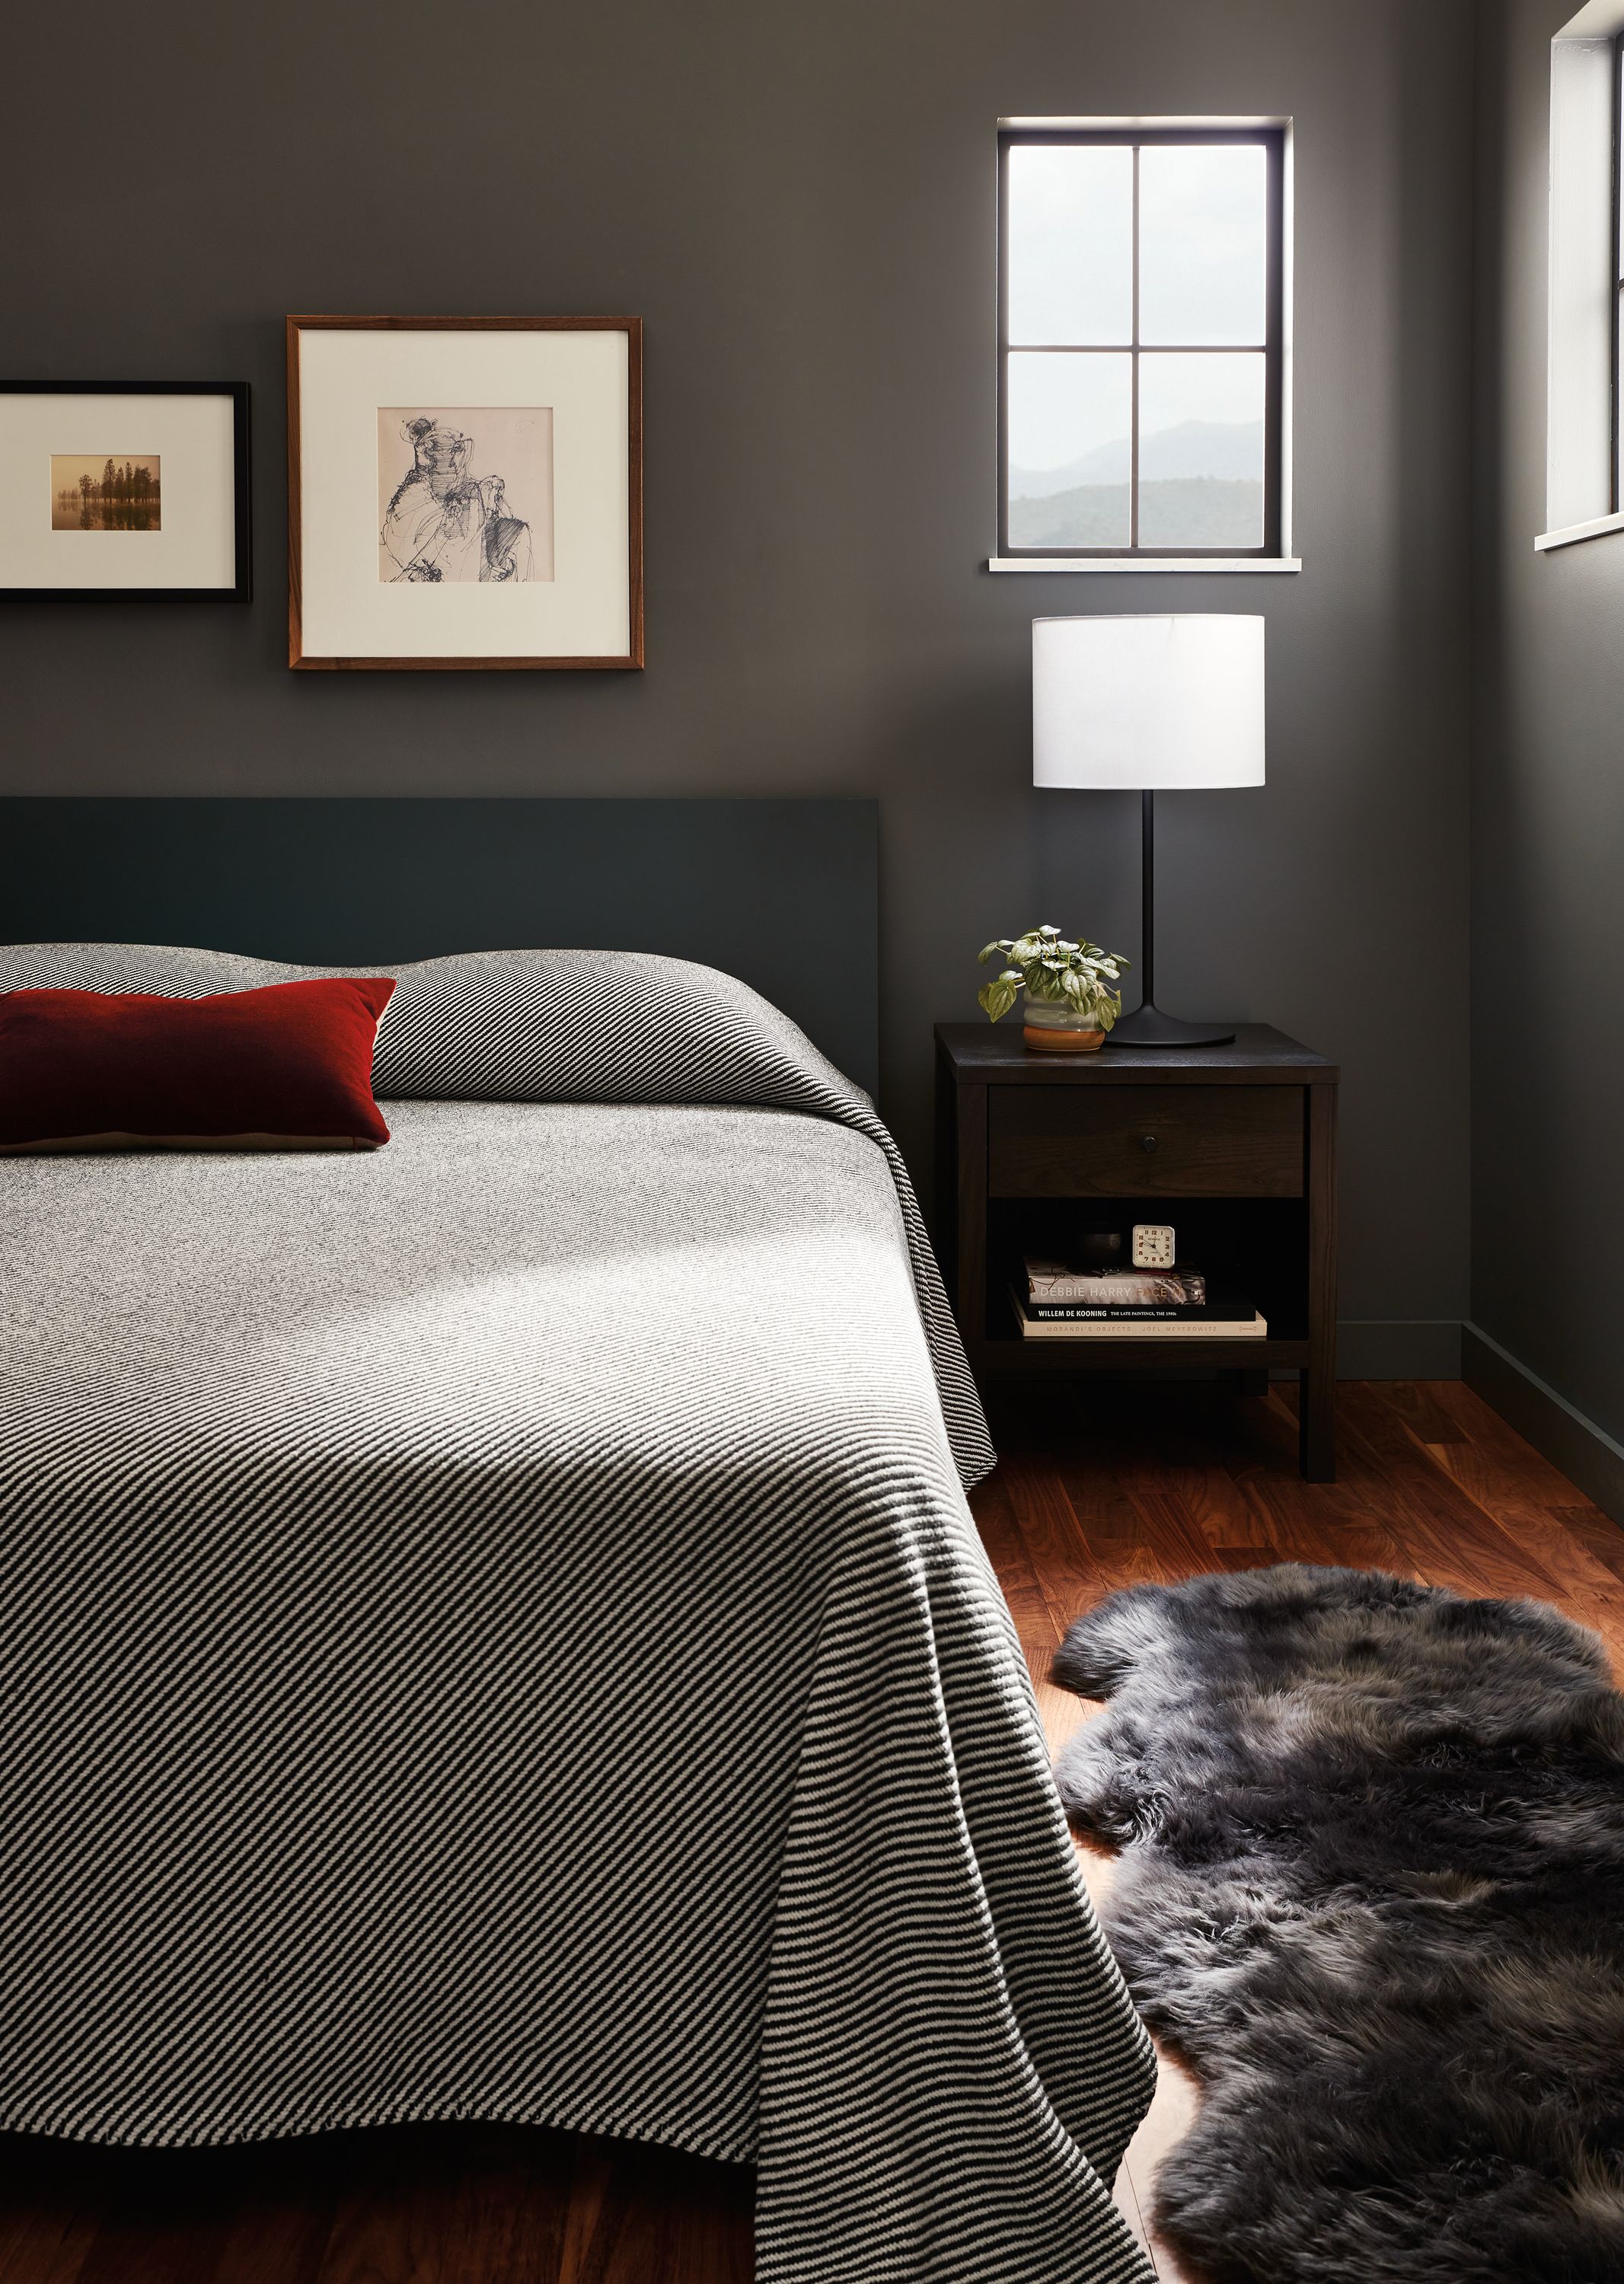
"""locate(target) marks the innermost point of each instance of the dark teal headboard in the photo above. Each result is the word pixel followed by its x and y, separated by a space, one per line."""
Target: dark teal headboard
pixel 784 893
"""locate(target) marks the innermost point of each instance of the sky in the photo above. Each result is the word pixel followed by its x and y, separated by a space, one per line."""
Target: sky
pixel 1062 407
pixel 1202 275
pixel 67 467
pixel 1202 245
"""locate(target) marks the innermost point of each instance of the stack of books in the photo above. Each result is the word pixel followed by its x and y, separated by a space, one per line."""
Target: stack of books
pixel 1057 1303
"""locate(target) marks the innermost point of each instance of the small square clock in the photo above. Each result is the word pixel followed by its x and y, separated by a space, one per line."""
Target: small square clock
pixel 1154 1245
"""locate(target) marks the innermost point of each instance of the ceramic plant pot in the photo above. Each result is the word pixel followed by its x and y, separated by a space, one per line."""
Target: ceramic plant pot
pixel 1049 1028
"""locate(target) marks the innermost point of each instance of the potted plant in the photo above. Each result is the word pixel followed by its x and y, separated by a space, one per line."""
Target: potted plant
pixel 1069 1002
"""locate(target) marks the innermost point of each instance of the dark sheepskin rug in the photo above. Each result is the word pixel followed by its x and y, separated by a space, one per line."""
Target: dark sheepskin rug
pixel 1372 1890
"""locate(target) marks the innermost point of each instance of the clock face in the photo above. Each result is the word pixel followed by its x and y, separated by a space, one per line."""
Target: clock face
pixel 1152 1244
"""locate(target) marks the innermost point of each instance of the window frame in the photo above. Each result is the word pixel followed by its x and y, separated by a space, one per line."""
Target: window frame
pixel 1584 294
pixel 1137 134
pixel 1617 495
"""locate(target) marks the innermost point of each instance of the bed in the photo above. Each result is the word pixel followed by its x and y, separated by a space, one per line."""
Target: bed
pixel 492 1628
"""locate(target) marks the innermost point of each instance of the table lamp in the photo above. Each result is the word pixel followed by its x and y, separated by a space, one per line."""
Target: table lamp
pixel 1160 705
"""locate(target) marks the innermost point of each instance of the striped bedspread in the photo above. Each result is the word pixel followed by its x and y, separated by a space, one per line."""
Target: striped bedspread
pixel 492 1628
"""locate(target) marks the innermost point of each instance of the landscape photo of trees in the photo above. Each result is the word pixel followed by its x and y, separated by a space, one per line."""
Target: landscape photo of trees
pixel 114 494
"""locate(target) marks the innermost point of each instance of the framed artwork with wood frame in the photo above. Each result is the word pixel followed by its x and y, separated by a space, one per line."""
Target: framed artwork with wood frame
pixel 125 491
pixel 465 492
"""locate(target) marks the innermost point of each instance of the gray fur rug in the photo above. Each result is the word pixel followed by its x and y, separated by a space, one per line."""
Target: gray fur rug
pixel 1373 1893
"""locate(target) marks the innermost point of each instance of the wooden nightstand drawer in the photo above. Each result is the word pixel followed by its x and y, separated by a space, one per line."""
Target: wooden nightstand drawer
pixel 1145 1141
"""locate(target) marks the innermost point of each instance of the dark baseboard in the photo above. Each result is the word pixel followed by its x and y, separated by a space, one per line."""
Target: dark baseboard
pixel 1404 1349
pixel 1585 1454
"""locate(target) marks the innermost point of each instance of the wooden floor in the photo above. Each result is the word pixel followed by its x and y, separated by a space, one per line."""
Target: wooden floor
pixel 1133 1484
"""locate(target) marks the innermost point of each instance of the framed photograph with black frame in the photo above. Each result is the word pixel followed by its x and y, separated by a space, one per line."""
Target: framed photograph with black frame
pixel 465 492
pixel 125 490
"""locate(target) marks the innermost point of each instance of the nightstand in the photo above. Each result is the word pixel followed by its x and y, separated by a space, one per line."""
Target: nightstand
pixel 1234 1145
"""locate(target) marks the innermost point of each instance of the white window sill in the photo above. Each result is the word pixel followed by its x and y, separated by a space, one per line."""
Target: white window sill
pixel 1596 528
pixel 1117 564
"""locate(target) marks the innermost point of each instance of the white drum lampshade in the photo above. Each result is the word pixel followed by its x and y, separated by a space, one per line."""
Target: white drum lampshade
pixel 1152 705
pixel 1149 705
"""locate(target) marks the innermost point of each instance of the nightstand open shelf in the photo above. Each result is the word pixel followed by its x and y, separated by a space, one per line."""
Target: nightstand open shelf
pixel 1233 1144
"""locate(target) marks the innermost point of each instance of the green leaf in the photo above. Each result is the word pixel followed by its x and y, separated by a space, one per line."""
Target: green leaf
pixel 1061 969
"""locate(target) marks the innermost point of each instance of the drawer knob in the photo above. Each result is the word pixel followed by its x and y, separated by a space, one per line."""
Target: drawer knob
pixel 1147 1141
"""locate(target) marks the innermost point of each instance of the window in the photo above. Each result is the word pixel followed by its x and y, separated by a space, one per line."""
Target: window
pixel 1140 342
pixel 1584 477
pixel 1618 269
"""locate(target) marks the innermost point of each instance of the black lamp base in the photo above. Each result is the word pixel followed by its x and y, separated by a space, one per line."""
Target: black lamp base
pixel 1148 1026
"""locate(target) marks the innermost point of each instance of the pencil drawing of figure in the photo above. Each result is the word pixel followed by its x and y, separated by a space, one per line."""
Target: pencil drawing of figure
pixel 508 553
pixel 450 518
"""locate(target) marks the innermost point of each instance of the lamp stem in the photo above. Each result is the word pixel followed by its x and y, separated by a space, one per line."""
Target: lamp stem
pixel 1147 1026
pixel 1147 893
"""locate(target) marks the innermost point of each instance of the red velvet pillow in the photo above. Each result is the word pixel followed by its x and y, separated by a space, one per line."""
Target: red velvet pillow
pixel 287 1067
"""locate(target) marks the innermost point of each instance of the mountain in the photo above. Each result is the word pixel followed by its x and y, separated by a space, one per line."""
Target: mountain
pixel 1108 464
pixel 1179 511
pixel 1228 449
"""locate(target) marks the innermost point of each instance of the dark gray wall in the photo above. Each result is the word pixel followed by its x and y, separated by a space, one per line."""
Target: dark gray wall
pixel 1548 835
pixel 799 201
